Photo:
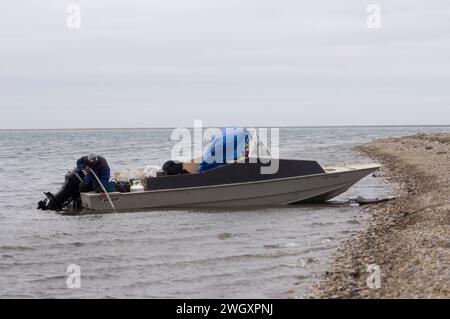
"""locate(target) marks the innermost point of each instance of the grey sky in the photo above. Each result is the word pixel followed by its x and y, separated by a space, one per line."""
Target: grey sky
pixel 226 62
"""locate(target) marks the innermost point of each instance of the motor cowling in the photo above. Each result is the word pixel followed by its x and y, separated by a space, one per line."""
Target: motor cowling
pixel 68 193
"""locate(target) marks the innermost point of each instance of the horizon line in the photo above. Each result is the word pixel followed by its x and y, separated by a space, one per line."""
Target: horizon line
pixel 191 127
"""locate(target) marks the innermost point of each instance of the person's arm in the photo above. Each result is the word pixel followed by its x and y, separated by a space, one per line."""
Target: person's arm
pixel 104 176
pixel 104 173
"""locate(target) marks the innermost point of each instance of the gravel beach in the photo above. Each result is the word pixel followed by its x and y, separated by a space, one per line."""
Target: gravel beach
pixel 408 237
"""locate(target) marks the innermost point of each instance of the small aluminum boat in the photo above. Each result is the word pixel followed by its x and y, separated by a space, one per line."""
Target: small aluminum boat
pixel 236 179
pixel 238 184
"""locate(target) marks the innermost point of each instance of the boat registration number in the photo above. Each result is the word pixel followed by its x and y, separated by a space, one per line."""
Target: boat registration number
pixel 113 199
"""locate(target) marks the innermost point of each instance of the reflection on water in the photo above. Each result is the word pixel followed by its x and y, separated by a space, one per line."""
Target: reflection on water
pixel 264 252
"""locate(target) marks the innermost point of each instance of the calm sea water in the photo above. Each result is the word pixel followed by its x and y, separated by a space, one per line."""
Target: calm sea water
pixel 267 252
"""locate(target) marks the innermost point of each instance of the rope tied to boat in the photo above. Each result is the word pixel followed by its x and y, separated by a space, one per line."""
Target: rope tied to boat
pixel 104 190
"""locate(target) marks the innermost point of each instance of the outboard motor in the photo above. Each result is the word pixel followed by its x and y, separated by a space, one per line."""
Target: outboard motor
pixel 68 193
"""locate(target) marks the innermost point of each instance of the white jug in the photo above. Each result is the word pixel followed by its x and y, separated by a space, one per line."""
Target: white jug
pixel 136 186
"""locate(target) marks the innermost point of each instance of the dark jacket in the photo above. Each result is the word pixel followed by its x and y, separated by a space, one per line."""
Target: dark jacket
pixel 101 168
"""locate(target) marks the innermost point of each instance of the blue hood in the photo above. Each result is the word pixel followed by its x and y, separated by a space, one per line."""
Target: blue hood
pixel 227 147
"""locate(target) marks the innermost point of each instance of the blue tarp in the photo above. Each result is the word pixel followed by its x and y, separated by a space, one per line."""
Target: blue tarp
pixel 227 147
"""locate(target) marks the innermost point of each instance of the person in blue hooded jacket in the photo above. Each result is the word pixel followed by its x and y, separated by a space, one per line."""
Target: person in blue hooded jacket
pixel 99 165
pixel 228 147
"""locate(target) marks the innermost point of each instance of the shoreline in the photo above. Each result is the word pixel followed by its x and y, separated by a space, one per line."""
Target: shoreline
pixel 408 238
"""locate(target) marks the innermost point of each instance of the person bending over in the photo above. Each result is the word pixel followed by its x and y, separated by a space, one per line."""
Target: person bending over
pixel 97 164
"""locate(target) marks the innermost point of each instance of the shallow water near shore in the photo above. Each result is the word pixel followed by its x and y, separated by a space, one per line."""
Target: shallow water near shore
pixel 273 252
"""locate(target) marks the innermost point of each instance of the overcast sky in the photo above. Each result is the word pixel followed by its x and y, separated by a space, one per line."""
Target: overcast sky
pixel 165 63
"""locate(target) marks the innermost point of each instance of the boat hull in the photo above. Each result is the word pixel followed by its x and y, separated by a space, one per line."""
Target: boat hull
pixel 281 191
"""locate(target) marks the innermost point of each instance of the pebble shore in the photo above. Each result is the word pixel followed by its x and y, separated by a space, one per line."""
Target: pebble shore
pixel 408 237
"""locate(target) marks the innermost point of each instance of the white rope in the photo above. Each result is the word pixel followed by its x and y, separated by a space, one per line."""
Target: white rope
pixel 103 187
pixel 265 146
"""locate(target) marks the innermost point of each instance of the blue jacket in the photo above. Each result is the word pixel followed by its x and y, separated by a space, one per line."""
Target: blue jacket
pixel 229 146
pixel 101 169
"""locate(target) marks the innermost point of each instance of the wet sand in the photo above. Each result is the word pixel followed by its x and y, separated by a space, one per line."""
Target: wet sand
pixel 408 237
